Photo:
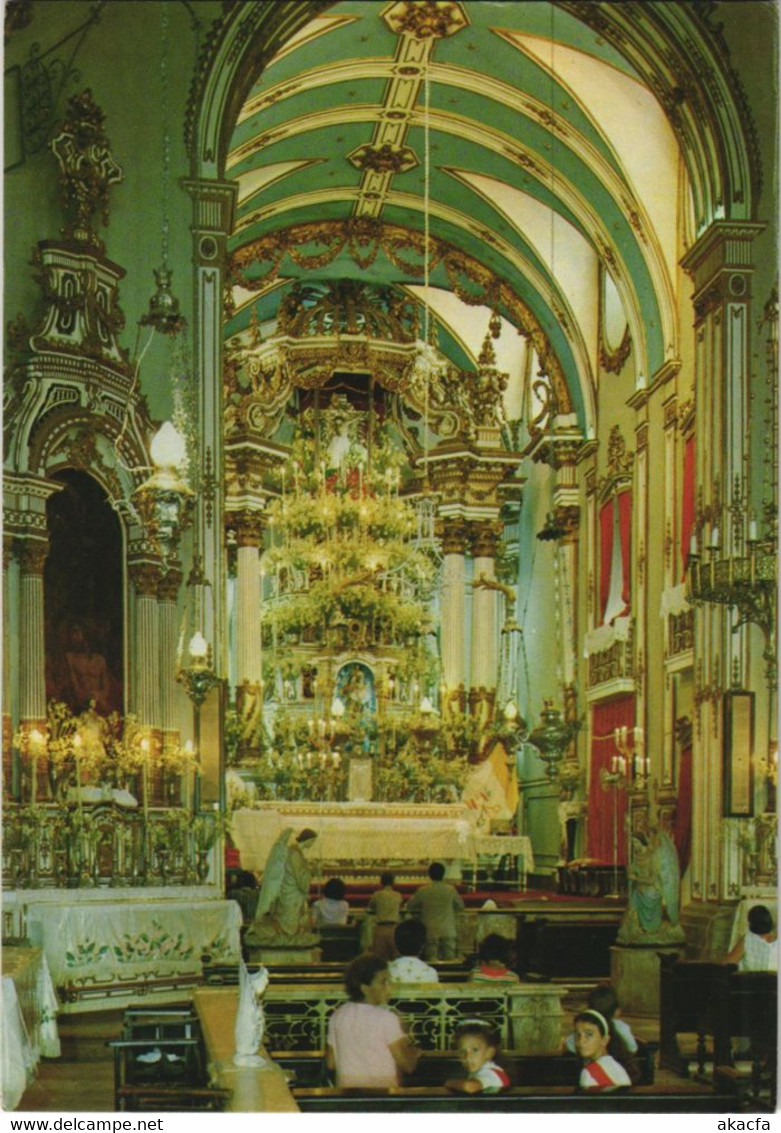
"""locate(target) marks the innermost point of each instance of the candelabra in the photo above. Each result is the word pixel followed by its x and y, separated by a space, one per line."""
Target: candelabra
pixel 198 680
pixel 615 779
pixel 744 575
pixel 631 745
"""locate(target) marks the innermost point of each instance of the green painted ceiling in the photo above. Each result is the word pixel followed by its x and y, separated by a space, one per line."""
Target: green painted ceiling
pixel 350 80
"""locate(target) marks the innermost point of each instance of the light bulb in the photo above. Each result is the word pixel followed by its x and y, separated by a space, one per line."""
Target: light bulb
pixel 337 708
pixel 510 710
pixel 426 707
pixel 167 448
pixel 198 646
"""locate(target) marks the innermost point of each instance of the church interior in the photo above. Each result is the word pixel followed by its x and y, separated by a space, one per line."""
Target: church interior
pixel 390 478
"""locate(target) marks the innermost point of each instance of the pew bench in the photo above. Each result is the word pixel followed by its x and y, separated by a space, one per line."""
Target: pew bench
pixel 518 1099
pixel 227 975
pixel 709 999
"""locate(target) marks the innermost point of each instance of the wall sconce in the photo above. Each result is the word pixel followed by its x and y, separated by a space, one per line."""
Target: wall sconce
pixel 198 679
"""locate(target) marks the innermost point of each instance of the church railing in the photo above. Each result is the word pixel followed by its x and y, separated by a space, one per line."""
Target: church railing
pixel 68 846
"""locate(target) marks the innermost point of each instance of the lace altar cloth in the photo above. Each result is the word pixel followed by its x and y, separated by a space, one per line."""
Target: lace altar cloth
pixel 358 831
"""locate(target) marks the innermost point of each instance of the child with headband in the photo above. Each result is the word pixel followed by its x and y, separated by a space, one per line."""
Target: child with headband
pixel 623 1044
pixel 601 1072
pixel 477 1043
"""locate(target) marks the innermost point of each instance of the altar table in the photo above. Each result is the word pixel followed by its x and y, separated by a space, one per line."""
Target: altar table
pixel 114 943
pixel 380 832
pixel 29 1027
pixel 497 846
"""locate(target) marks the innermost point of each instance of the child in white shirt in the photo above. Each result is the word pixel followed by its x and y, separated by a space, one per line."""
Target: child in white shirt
pixel 477 1043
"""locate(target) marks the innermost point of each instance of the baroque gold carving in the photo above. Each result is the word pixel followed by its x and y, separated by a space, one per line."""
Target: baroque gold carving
pixel 32 555
pixel 426 19
pixel 87 169
pixel 363 238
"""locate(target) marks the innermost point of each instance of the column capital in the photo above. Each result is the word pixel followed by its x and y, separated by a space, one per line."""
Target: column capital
pixel 247 525
pixel 168 586
pixel 214 203
pixel 721 265
pixel 146 577
pixel 485 536
pixel 455 536
pixel 32 554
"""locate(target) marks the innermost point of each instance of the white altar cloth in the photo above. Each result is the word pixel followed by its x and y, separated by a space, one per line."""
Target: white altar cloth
pixel 28 1027
pixel 111 943
pixel 357 831
pixel 498 845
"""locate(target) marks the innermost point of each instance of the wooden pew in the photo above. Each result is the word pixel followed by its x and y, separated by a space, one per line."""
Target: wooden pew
pixel 574 948
pixel 716 1000
pixel 690 1098
pixel 227 975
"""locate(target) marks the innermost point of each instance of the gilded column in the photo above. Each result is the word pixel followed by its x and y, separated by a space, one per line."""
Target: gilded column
pixel 167 596
pixel 455 540
pixel 485 537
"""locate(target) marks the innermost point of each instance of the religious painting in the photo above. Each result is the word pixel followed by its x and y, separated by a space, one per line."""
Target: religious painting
pixel 738 754
pixel 83 606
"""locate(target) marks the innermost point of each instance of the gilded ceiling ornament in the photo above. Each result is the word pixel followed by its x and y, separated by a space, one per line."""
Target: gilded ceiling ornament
pixel 426 19
pixel 87 169
pixel 383 159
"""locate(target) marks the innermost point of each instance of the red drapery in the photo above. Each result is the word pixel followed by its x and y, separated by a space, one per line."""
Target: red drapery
pixel 625 526
pixel 682 835
pixel 687 502
pixel 604 719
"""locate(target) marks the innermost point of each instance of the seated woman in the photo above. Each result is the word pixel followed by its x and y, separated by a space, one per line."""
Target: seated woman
pixel 331 908
pixel 366 1044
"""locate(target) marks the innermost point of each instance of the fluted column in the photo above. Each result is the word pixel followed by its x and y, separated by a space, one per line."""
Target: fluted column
pixel 146 577
pixel 32 553
pixel 455 540
pixel 8 768
pixel 167 595
pixel 248 527
pixel 485 539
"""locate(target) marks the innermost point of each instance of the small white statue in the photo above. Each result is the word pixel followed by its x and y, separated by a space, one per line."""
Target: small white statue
pixel 250 1019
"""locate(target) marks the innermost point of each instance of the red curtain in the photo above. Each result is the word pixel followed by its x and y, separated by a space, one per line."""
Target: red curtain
pixel 604 719
pixel 687 503
pixel 625 527
pixel 605 554
pixel 682 835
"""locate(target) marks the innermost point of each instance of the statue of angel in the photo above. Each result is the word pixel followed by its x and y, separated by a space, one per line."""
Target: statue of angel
pixel 250 1019
pixel 654 888
pixel 282 913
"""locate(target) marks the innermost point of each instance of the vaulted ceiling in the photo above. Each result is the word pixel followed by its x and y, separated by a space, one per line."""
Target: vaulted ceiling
pixel 515 144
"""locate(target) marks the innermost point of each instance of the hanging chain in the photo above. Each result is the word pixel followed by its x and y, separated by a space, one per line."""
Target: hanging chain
pixel 166 127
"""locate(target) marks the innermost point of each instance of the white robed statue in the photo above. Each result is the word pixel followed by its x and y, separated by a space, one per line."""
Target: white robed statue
pixel 282 915
pixel 250 1019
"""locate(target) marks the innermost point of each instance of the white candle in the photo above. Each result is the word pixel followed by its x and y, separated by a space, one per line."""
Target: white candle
pixel 714 537
pixel 693 545
pixel 752 530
